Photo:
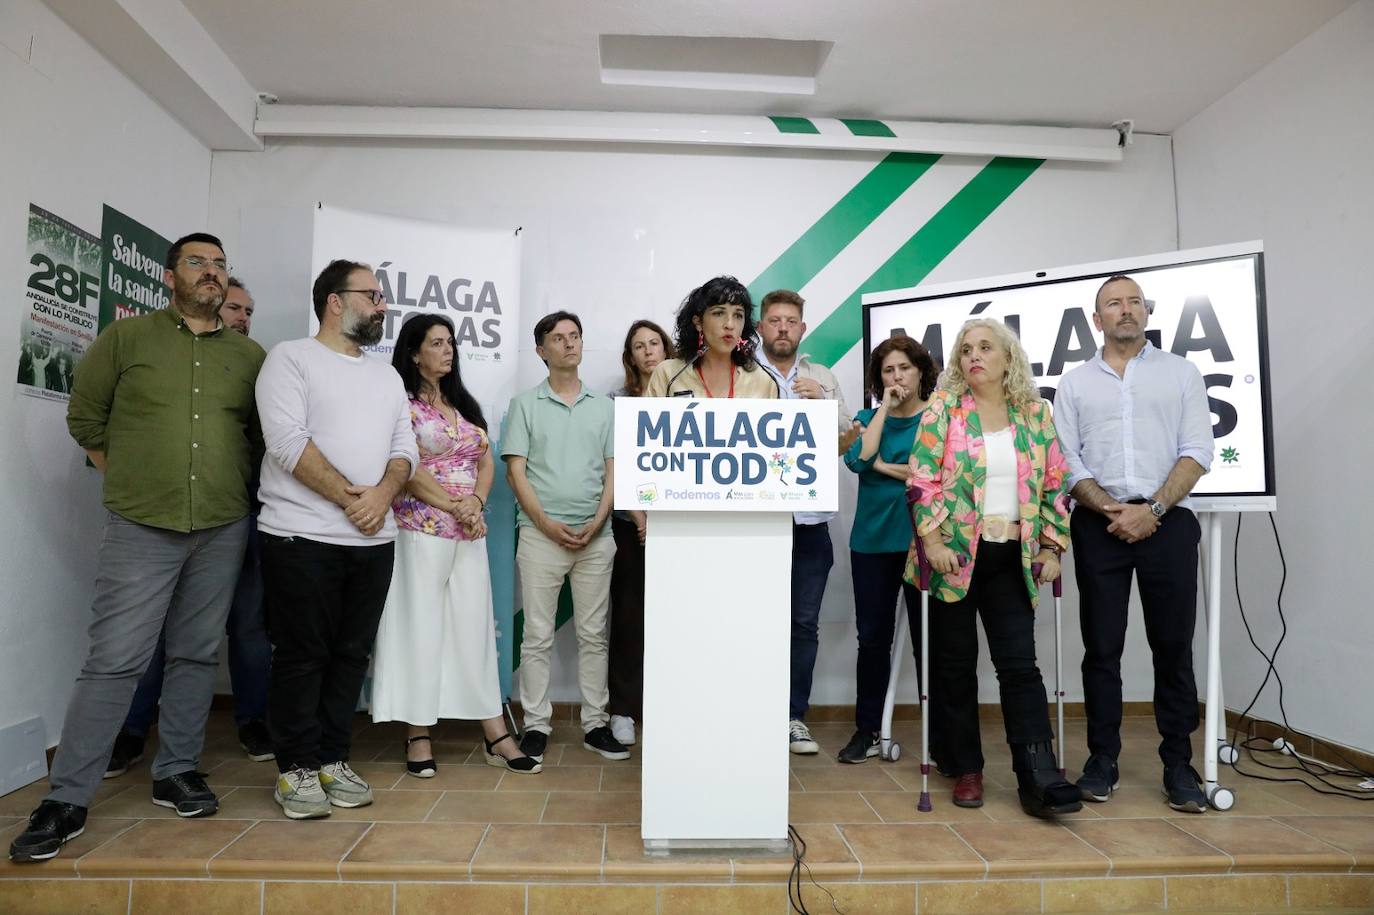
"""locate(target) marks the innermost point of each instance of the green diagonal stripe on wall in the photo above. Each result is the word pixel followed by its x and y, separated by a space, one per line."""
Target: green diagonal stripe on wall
pixel 794 125
pixel 862 128
pixel 921 253
pixel 842 223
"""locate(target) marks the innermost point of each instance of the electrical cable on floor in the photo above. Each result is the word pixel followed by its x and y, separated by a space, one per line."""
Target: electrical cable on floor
pixel 794 879
pixel 1255 745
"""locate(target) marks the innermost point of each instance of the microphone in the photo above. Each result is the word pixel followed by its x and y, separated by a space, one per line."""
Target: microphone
pixel 701 351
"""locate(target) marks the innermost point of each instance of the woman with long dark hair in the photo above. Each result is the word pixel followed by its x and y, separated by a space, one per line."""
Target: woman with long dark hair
pixel 646 345
pixel 715 340
pixel 435 655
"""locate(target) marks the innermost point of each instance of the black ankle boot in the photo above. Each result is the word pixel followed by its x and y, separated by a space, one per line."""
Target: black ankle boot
pixel 1043 791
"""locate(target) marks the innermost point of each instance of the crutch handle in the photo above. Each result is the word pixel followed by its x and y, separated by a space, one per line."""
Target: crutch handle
pixel 1058 583
pixel 925 563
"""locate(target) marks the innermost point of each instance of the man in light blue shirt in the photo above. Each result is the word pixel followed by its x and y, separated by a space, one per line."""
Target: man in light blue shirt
pixel 1136 430
pixel 780 330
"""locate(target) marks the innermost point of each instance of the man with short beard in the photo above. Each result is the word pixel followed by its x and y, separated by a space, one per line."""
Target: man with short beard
pixel 163 405
pixel 336 422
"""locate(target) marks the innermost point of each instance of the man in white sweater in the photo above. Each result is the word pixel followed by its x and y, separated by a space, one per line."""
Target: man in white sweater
pixel 336 423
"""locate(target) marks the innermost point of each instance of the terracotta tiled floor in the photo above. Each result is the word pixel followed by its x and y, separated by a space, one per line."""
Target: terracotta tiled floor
pixel 578 823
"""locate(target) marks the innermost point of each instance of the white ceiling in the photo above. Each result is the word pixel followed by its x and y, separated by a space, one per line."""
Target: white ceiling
pixel 1053 62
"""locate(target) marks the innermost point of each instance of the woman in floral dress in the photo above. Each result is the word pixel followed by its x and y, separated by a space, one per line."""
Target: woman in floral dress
pixel 435 655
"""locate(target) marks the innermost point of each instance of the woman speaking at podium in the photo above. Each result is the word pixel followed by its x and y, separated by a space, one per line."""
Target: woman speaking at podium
pixel 715 339
pixel 988 484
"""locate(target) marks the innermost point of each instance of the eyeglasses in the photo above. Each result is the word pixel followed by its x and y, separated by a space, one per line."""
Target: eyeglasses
pixel 374 294
pixel 197 263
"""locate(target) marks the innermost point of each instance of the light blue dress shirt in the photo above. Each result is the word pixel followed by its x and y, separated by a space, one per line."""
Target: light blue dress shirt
pixel 1126 433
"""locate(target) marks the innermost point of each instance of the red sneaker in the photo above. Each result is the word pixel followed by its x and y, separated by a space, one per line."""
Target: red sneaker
pixel 968 790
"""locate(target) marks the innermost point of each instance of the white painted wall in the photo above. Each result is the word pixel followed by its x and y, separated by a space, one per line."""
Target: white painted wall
pixel 1285 157
pixel 76 134
pixel 618 233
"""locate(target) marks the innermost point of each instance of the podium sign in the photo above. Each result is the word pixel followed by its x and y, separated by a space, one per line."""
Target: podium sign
pixel 702 454
pixel 720 479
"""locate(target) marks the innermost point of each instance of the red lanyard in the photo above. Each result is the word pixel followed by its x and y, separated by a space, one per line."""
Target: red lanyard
pixel 702 376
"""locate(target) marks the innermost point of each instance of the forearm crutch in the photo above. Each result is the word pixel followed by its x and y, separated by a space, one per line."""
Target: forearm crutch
pixel 888 748
pixel 1058 588
pixel 923 675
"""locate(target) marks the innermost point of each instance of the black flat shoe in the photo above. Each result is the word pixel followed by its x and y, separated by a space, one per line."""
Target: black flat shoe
pixel 523 765
pixel 423 768
pixel 51 826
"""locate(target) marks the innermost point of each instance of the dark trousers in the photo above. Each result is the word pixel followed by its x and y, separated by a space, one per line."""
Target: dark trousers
pixel 812 557
pixel 998 594
pixel 625 671
pixel 877 583
pixel 250 653
pixel 1165 568
pixel 323 605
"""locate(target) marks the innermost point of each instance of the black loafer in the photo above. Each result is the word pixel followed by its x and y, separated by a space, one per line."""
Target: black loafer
pixel 601 740
pixel 533 744
pixel 186 793
pixel 860 747
pixel 1100 778
pixel 127 751
pixel 1183 788
pixel 51 826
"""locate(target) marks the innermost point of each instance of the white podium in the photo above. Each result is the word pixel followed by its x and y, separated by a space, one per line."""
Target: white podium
pixel 720 479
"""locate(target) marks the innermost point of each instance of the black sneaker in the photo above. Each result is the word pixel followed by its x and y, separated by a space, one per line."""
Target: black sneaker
pixel 256 742
pixel 186 793
pixel 51 826
pixel 533 744
pixel 128 751
pixel 601 740
pixel 860 747
pixel 1100 778
pixel 1183 788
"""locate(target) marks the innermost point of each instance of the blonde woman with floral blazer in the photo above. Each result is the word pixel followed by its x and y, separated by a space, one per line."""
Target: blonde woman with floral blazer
pixel 988 492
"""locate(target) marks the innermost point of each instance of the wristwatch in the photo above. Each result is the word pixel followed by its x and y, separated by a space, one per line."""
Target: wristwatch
pixel 1157 508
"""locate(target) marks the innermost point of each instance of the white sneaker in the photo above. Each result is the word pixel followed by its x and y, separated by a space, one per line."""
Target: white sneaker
pixel 799 739
pixel 623 729
pixel 343 786
pixel 300 794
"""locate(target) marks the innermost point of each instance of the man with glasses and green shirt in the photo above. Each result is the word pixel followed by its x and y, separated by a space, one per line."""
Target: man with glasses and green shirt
pixel 163 405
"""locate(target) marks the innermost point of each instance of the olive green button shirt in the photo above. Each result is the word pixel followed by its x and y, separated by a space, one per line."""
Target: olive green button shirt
pixel 174 413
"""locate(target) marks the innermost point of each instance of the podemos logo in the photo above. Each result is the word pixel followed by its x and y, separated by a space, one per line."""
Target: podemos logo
pixel 646 493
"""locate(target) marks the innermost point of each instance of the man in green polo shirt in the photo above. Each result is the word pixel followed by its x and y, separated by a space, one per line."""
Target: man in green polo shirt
pixel 163 404
pixel 558 445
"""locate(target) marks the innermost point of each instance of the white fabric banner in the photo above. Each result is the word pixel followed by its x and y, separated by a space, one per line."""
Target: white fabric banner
pixel 471 276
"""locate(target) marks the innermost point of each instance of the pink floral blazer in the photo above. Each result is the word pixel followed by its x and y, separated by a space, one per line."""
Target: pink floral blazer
pixel 948 469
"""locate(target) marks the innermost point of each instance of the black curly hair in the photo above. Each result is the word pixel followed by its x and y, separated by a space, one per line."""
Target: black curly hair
pixel 721 290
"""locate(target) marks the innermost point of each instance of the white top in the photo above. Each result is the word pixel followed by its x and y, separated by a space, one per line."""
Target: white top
pixel 355 410
pixel 999 489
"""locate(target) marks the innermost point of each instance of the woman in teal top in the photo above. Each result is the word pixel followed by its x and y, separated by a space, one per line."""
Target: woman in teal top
pixel 902 374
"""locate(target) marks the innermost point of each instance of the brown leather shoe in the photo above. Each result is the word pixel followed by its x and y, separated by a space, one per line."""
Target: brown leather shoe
pixel 968 790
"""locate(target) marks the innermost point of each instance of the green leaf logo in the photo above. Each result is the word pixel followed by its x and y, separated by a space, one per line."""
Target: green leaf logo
pixel 1230 455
